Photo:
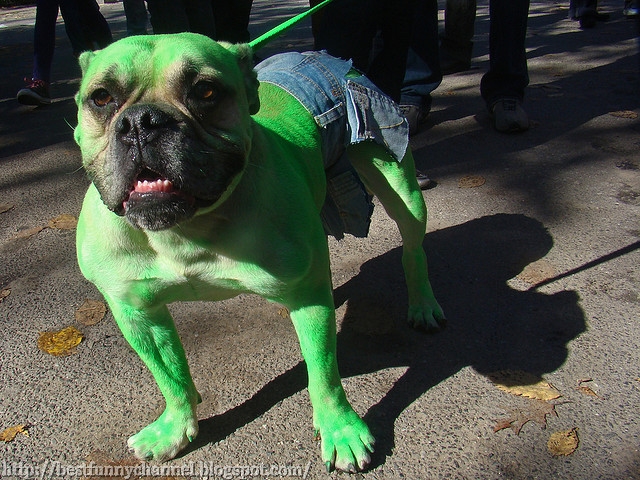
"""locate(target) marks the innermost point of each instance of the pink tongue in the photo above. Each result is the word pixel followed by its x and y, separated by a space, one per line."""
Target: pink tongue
pixel 153 186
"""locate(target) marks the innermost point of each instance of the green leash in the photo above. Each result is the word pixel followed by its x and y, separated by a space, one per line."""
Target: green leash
pixel 265 38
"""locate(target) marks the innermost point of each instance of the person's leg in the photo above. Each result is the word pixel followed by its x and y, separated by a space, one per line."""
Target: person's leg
pixel 137 18
pixel 508 73
pixel 36 90
pixel 200 16
pixel 456 43
pixel 422 74
pixel 96 29
pixel 578 8
pixel 232 19
pixel 44 39
pixel 346 30
pixel 168 16
pixel 388 66
pixel 74 26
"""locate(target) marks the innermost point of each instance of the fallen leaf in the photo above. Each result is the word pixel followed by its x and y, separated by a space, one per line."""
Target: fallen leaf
pixel 624 114
pixel 10 433
pixel 586 389
pixel 63 222
pixel 5 207
pixel 60 343
pixel 524 384
pixel 90 312
pixel 471 181
pixel 537 272
pixel 283 312
pixel 535 411
pixel 4 294
pixel 563 443
pixel 30 232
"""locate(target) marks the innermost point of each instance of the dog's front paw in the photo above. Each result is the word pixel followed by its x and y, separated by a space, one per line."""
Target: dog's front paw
pixel 427 317
pixel 164 438
pixel 346 442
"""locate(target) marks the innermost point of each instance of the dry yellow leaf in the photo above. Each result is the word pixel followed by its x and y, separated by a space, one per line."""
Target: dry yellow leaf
pixel 29 232
pixel 563 443
pixel 537 272
pixel 60 343
pixel 63 222
pixel 471 181
pixel 283 312
pixel 4 294
pixel 90 312
pixel 585 389
pixel 624 114
pixel 535 411
pixel 10 433
pixel 524 384
pixel 5 207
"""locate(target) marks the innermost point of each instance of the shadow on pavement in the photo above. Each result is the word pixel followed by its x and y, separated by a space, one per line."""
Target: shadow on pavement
pixel 491 325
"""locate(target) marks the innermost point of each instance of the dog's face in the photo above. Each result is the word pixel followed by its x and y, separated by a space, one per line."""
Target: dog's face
pixel 164 124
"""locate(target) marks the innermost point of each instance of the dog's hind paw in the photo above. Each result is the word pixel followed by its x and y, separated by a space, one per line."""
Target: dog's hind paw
pixel 346 443
pixel 164 438
pixel 428 318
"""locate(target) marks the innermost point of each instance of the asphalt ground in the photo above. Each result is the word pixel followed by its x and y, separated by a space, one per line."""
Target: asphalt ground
pixel 533 244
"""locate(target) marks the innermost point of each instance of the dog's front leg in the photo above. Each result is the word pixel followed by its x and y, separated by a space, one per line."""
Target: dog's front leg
pixel 152 334
pixel 345 438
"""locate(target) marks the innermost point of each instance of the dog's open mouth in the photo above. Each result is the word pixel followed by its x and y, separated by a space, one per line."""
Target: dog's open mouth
pixel 152 187
pixel 154 203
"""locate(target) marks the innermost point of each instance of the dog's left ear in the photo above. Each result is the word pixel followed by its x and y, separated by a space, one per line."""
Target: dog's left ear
pixel 244 54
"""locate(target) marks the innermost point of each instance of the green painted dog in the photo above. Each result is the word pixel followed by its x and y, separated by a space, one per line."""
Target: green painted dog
pixel 206 184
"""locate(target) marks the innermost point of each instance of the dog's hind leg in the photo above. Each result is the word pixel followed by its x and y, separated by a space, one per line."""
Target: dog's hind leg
pixel 395 185
pixel 152 334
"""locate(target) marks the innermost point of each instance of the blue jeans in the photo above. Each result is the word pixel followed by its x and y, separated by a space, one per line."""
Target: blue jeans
pixel 508 74
pixel 348 109
pixel 422 75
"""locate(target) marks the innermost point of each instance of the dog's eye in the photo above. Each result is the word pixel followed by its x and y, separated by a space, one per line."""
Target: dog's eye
pixel 205 90
pixel 101 97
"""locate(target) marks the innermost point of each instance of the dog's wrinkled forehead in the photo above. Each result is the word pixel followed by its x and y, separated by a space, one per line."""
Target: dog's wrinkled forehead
pixel 159 62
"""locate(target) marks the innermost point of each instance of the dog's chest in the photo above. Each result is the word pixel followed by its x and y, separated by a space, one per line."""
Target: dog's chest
pixel 209 271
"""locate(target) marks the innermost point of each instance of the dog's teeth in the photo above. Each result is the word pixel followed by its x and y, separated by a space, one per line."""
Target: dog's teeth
pixel 159 185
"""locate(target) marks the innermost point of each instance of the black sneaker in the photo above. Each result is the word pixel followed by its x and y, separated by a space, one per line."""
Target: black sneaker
pixel 35 93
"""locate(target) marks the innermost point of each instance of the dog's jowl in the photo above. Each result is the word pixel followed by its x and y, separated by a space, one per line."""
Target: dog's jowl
pixel 210 179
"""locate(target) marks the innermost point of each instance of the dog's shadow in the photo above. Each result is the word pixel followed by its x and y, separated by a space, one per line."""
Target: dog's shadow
pixel 491 325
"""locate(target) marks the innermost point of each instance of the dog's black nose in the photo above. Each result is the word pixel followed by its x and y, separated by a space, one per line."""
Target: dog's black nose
pixel 140 124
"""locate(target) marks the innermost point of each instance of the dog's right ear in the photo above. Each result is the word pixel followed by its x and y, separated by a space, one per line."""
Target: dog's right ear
pixel 244 54
pixel 85 59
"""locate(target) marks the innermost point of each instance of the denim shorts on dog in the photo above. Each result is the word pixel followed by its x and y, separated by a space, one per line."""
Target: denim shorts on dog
pixel 348 109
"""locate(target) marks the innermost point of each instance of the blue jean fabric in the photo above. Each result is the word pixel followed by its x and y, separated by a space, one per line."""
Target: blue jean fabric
pixel 348 109
pixel 422 75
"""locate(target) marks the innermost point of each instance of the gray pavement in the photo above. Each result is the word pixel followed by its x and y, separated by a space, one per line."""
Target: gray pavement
pixel 537 268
